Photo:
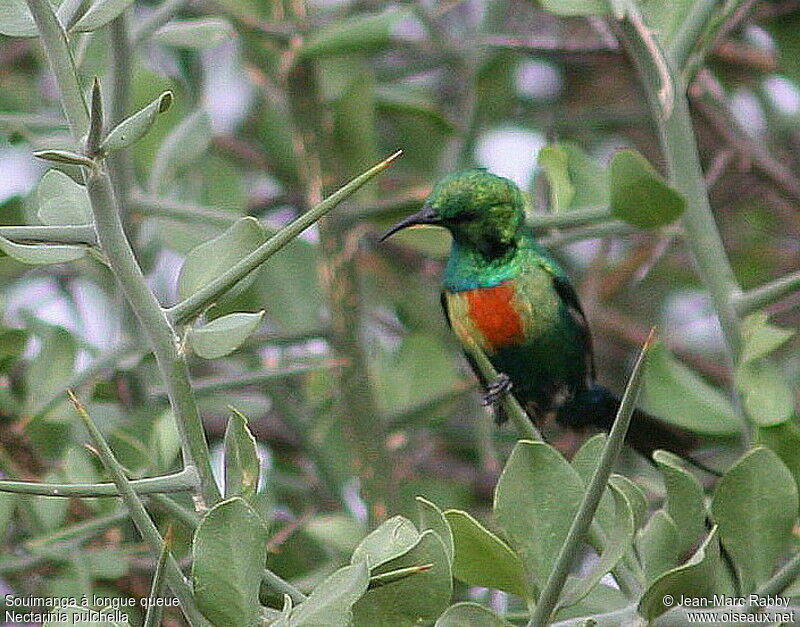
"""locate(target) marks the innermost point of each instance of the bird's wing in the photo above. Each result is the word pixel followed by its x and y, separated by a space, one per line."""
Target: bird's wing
pixel 569 297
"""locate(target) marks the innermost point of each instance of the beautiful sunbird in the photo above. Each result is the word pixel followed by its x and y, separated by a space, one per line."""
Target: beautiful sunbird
pixel 505 293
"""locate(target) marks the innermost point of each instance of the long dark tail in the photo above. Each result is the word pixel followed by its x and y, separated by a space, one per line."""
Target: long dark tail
pixel 597 407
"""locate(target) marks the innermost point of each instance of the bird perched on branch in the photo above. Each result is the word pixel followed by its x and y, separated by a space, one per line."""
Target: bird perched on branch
pixel 505 294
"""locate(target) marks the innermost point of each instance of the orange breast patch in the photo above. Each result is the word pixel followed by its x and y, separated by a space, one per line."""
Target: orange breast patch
pixel 493 314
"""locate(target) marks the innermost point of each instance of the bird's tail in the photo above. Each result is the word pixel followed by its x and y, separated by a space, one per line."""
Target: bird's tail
pixel 597 407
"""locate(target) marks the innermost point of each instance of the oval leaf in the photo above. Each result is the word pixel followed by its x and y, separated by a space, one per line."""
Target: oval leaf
pixel 638 193
pixel 677 394
pixel 767 397
pixel 414 600
pixel 483 559
pixel 431 517
pixel 685 501
pixel 204 32
pixel 223 335
pixel 242 467
pixel 760 338
pixel 535 502
pixel 185 144
pixel 470 615
pixel 693 579
pixel 390 540
pixel 228 555
pixel 784 440
pixel 136 126
pixel 363 33
pixel 755 506
pixel 62 201
pixel 16 20
pixel 331 602
pixel 210 259
pixel 657 545
pixel 99 14
pixel 41 254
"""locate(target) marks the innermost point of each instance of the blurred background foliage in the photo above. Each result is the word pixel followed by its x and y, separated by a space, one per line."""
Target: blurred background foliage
pixel 353 380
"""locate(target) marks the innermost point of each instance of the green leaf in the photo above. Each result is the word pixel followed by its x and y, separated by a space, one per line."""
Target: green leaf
pixel 199 33
pixel 693 579
pixel 665 18
pixel 483 559
pixel 362 33
pixel 16 20
pixel 619 541
pixel 636 498
pixel 675 393
pixel 784 440
pixel 657 545
pixel 537 497
pixel 165 440
pixel 64 156
pixel 554 160
pixel 242 467
pixel 685 501
pixel 575 179
pixel 755 507
pixel 210 259
pixel 51 370
pixel 12 343
pixel 470 615
pixel 229 550
pixel 576 7
pixel 288 287
pixel 41 254
pixel 393 538
pixel 638 193
pixel 136 126
pixel 99 14
pixel 185 144
pixel 62 201
pixel 759 337
pixel 406 100
pixel 72 615
pixel 331 602
pixel 767 397
pixel 431 517
pixel 414 600
pixel 223 335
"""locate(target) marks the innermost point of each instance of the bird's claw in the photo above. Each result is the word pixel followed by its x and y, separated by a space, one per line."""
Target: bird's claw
pixel 497 389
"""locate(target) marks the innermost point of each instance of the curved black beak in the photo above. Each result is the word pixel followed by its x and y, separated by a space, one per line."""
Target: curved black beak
pixel 425 216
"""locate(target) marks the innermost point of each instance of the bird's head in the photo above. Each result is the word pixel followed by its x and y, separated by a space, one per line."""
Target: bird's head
pixel 480 210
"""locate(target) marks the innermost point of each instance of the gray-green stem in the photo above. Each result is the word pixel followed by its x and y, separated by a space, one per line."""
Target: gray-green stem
pixel 117 250
pixel 144 524
pixel 204 297
pixel 571 548
pixel 157 329
pixel 767 294
pixel 184 481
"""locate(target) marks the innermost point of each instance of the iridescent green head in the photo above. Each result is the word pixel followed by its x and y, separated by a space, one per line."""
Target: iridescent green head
pixel 480 210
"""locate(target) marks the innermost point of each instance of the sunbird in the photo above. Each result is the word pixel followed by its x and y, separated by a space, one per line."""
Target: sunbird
pixel 504 293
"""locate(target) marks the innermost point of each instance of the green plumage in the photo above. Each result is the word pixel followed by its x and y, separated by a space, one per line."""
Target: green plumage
pixel 505 293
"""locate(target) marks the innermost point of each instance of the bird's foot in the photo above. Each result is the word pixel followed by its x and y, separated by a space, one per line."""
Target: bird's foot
pixel 497 389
